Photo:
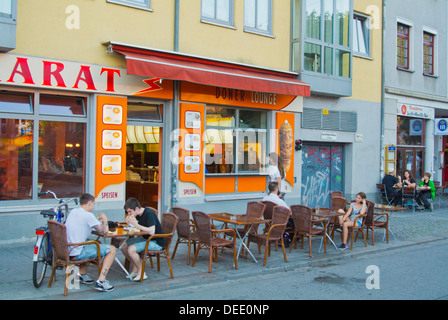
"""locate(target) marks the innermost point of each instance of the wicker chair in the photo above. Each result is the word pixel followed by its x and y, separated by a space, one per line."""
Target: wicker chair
pixel 267 215
pixel 336 194
pixel 304 226
pixel 185 234
pixel 336 204
pixel 275 233
pixel 373 224
pixel 254 210
pixel 351 230
pixel 168 224
pixel 208 239
pixel 58 234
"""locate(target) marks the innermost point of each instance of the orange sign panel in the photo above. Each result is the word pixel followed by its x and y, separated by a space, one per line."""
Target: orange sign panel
pixel 285 143
pixel 190 144
pixel 233 97
pixel 110 165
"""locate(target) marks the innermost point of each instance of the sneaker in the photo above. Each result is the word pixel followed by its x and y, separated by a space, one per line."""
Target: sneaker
pixel 132 275
pixel 343 246
pixel 85 279
pixel 137 278
pixel 103 286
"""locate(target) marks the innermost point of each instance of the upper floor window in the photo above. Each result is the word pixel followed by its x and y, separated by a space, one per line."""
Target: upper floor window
pixel 258 16
pixel 327 44
pixel 403 45
pixel 140 4
pixel 217 11
pixel 428 53
pixel 6 9
pixel 361 35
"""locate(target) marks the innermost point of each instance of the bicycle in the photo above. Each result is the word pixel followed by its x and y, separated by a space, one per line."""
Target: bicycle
pixel 43 251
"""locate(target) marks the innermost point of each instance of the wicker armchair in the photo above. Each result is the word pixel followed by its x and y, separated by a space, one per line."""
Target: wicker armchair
pixel 208 239
pixel 267 215
pixel 304 226
pixel 336 204
pixel 275 233
pixel 351 230
pixel 336 194
pixel 254 210
pixel 373 224
pixel 58 234
pixel 168 224
pixel 185 231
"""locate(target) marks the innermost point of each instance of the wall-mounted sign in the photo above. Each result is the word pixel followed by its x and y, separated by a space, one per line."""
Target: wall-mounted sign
pixel 441 127
pixel 414 111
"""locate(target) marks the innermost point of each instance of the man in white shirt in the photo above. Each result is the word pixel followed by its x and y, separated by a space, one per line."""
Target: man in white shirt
pixel 273 195
pixel 80 223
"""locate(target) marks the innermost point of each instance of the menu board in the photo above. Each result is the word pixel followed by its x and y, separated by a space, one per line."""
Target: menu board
pixel 110 173
pixel 191 172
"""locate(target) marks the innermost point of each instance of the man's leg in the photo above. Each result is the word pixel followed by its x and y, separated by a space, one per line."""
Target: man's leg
pixel 107 263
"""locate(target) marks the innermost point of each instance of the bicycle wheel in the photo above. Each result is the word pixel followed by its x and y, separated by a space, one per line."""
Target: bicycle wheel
pixel 44 259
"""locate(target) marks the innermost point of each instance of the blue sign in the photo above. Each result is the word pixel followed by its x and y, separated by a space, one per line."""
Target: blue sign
pixel 441 127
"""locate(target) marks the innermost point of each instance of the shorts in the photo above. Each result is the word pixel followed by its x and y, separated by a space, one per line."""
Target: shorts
pixel 140 244
pixel 90 251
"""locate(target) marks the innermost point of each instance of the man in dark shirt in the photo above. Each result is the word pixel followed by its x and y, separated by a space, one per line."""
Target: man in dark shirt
pixel 389 181
pixel 146 220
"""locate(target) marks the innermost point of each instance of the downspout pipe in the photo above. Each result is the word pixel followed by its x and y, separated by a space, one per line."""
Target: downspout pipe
pixel 176 25
pixel 383 92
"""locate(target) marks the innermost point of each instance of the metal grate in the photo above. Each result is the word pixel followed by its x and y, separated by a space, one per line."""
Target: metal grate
pixel 334 120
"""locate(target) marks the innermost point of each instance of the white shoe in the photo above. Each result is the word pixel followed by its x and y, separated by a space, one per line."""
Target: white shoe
pixel 132 275
pixel 137 278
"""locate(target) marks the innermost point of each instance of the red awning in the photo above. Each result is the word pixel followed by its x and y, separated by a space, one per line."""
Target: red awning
pixel 174 66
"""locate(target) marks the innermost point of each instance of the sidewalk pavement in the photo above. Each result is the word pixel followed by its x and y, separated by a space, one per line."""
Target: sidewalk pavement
pixel 16 263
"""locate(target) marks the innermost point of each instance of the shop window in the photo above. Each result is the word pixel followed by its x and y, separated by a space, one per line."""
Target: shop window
pixel 410 131
pixel 57 154
pixel 258 16
pixel 17 103
pixel 16 163
pixel 61 157
pixel 61 106
pixel 232 137
pixel 217 11
pixel 144 112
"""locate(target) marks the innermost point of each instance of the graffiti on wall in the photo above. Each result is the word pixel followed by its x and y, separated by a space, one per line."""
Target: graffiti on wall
pixel 321 173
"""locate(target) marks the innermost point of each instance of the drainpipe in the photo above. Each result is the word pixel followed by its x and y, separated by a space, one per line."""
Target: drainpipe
pixel 175 113
pixel 176 25
pixel 383 88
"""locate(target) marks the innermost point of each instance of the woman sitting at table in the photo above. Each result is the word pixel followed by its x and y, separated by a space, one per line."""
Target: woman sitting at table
pixel 359 207
pixel 408 179
pixel 428 191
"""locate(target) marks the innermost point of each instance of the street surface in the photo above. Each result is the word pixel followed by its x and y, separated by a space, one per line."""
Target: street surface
pixel 417 272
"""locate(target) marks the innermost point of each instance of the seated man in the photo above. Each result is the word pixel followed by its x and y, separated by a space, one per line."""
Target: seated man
pixel 390 181
pixel 146 220
pixel 79 225
pixel 273 195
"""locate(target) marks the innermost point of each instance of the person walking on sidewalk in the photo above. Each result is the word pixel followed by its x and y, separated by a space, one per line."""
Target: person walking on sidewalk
pixel 79 226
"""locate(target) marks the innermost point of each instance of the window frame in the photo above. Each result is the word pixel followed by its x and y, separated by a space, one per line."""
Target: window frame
pixel 236 131
pixel 365 21
pixel 406 37
pixel 133 4
pixel 434 34
pixel 321 41
pixel 269 31
pixel 36 118
pixel 215 21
